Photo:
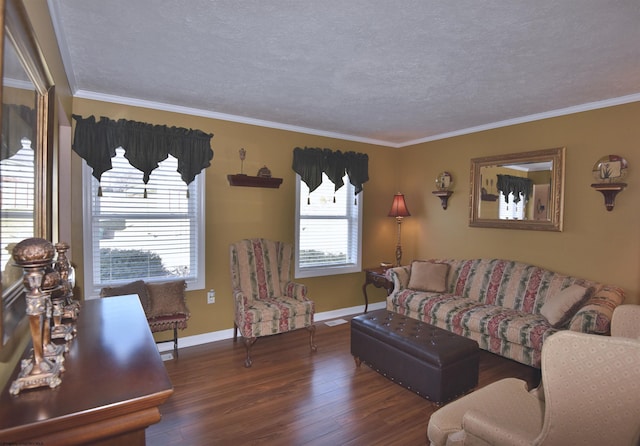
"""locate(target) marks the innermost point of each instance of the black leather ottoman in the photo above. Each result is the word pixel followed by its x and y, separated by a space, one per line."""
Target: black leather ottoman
pixel 434 363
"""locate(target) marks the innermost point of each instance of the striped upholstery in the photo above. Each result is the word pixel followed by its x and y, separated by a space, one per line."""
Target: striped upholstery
pixel 266 300
pixel 497 303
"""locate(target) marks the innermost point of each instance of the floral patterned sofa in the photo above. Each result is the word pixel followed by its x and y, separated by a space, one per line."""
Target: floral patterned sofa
pixel 508 307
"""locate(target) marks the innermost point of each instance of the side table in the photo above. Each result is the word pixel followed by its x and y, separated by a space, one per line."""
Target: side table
pixel 375 277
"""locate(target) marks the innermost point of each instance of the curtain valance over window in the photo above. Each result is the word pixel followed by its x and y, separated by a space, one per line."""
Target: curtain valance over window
pixel 18 121
pixel 517 185
pixel 311 163
pixel 145 146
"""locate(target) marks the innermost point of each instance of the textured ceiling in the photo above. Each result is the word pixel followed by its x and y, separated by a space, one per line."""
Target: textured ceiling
pixel 394 73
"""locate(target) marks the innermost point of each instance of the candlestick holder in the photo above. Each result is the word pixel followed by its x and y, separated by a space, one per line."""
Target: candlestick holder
pixel 33 255
pixel 71 307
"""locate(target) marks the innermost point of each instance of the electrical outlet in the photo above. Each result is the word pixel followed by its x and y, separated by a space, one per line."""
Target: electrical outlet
pixel 211 297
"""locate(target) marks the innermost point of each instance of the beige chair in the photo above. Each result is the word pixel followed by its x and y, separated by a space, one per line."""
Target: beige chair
pixel 266 300
pixel 626 321
pixel 590 396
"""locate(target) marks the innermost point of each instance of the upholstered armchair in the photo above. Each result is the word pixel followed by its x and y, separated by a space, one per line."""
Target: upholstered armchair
pixel 164 304
pixel 266 301
pixel 590 395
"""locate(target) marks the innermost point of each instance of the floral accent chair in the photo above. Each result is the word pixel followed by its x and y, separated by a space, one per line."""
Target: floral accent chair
pixel 266 300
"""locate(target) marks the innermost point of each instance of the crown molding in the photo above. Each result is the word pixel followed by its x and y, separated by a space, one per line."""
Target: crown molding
pixel 530 118
pixel 84 94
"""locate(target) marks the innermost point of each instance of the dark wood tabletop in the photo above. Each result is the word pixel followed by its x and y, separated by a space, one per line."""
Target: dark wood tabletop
pixel 113 383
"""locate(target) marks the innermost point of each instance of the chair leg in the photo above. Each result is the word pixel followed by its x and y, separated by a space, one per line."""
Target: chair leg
pixel 248 342
pixel 235 332
pixel 312 332
pixel 175 340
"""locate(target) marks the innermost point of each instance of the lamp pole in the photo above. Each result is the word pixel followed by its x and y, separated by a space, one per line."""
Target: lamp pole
pixel 398 245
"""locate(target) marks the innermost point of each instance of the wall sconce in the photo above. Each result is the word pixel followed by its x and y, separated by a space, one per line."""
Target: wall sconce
pixel 443 182
pixel 399 211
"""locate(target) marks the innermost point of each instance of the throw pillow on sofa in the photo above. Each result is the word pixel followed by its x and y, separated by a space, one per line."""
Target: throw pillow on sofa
pixel 429 276
pixel 559 309
pixel 167 298
pixel 138 287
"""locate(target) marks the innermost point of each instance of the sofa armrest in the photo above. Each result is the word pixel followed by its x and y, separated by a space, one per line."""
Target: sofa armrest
pixel 399 276
pixel 240 299
pixel 296 290
pixel 595 315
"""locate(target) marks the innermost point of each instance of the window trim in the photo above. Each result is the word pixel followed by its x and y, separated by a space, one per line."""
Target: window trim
pixel 90 289
pixel 332 269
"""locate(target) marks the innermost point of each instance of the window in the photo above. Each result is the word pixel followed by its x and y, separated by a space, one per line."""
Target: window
pixel 17 198
pixel 511 210
pixel 328 229
pixel 130 237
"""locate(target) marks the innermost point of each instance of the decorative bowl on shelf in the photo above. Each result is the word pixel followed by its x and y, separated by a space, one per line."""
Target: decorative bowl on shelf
pixel 264 172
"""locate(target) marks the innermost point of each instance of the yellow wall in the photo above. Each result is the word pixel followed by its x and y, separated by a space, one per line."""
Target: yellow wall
pixel 233 213
pixel 595 244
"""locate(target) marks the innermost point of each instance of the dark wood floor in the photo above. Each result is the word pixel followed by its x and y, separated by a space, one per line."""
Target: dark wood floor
pixel 291 396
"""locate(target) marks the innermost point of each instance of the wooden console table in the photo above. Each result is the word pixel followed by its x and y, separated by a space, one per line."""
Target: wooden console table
pixel 375 277
pixel 112 387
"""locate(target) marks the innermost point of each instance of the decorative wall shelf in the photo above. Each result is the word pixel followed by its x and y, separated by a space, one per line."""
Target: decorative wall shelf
pixel 488 197
pixel 250 181
pixel 609 191
pixel 444 196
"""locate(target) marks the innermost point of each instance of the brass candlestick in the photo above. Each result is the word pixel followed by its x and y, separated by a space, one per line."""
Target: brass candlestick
pixel 70 307
pixel 52 287
pixel 33 255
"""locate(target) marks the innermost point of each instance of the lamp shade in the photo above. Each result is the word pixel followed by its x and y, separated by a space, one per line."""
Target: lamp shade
pixel 399 207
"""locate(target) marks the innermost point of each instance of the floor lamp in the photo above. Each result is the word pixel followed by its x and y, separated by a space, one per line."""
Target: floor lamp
pixel 399 211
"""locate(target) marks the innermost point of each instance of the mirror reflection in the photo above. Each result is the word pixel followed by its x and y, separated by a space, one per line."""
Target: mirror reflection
pixel 17 160
pixel 25 166
pixel 518 190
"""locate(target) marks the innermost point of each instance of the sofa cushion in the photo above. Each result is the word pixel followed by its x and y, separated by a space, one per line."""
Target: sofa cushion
pixel 428 276
pixel 275 315
pixel 167 298
pixel 560 308
pixel 468 317
pixel 138 287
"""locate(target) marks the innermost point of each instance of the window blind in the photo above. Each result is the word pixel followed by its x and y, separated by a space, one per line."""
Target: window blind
pixel 133 237
pixel 17 199
pixel 328 228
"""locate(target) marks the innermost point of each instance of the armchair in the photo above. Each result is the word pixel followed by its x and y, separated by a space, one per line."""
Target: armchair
pixel 590 395
pixel 266 301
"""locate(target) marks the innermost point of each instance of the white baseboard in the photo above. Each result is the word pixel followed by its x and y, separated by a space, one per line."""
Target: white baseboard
pixel 190 341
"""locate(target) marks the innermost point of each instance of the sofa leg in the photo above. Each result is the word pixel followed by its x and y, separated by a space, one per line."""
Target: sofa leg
pixel 248 342
pixel 312 332
pixel 235 332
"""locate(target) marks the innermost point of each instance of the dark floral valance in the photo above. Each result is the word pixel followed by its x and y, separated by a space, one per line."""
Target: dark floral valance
pixel 517 185
pixel 311 163
pixel 18 121
pixel 145 146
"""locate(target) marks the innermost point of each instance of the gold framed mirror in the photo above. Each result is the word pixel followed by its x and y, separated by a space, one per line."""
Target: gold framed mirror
pixel 518 190
pixel 25 159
